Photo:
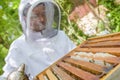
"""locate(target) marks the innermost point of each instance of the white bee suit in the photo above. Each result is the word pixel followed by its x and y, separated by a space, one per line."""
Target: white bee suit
pixel 36 55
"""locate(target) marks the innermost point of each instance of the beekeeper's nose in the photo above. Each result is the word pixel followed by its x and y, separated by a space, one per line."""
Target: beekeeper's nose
pixel 42 19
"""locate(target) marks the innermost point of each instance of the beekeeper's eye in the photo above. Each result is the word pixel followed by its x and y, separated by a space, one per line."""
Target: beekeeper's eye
pixel 34 16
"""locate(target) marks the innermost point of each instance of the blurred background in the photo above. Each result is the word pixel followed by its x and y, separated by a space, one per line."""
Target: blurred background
pixel 81 19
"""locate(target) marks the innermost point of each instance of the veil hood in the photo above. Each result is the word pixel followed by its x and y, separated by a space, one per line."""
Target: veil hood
pixel 31 4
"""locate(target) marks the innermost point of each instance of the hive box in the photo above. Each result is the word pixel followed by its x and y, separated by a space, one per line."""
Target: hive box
pixel 72 67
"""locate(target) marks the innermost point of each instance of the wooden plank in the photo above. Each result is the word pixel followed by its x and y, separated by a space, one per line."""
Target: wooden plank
pixel 50 75
pixel 78 72
pixel 40 77
pixel 114 74
pixel 94 68
pixel 104 40
pixel 113 51
pixel 61 73
pixel 103 44
pixel 108 37
pixel 112 60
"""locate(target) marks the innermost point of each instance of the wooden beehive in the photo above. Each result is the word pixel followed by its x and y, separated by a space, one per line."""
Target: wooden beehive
pixel 71 68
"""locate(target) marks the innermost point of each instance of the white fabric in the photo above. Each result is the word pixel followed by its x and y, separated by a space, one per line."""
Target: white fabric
pixel 36 58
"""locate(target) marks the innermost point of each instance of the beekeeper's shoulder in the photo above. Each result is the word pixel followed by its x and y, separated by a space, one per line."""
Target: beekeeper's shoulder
pixel 20 40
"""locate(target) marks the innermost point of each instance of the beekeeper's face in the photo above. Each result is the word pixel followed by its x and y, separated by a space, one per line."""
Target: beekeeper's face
pixel 38 18
pixel 41 20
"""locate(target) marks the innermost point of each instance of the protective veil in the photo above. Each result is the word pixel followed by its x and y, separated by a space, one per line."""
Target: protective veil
pixel 42 42
pixel 40 19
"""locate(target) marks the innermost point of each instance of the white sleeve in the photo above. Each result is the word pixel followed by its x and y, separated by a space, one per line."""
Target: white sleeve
pixel 69 43
pixel 12 60
pixel 3 78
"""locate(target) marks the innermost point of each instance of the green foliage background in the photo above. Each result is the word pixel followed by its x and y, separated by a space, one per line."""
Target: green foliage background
pixel 10 27
pixel 112 14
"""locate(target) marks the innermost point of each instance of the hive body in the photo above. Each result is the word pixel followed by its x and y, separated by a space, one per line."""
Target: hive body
pixel 95 59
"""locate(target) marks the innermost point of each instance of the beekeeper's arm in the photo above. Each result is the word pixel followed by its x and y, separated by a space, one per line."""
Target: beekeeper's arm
pixel 12 60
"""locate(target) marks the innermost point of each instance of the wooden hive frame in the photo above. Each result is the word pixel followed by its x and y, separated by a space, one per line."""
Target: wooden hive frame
pixel 68 68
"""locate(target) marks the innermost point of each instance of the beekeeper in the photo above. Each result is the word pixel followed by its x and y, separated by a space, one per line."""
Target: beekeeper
pixel 42 42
